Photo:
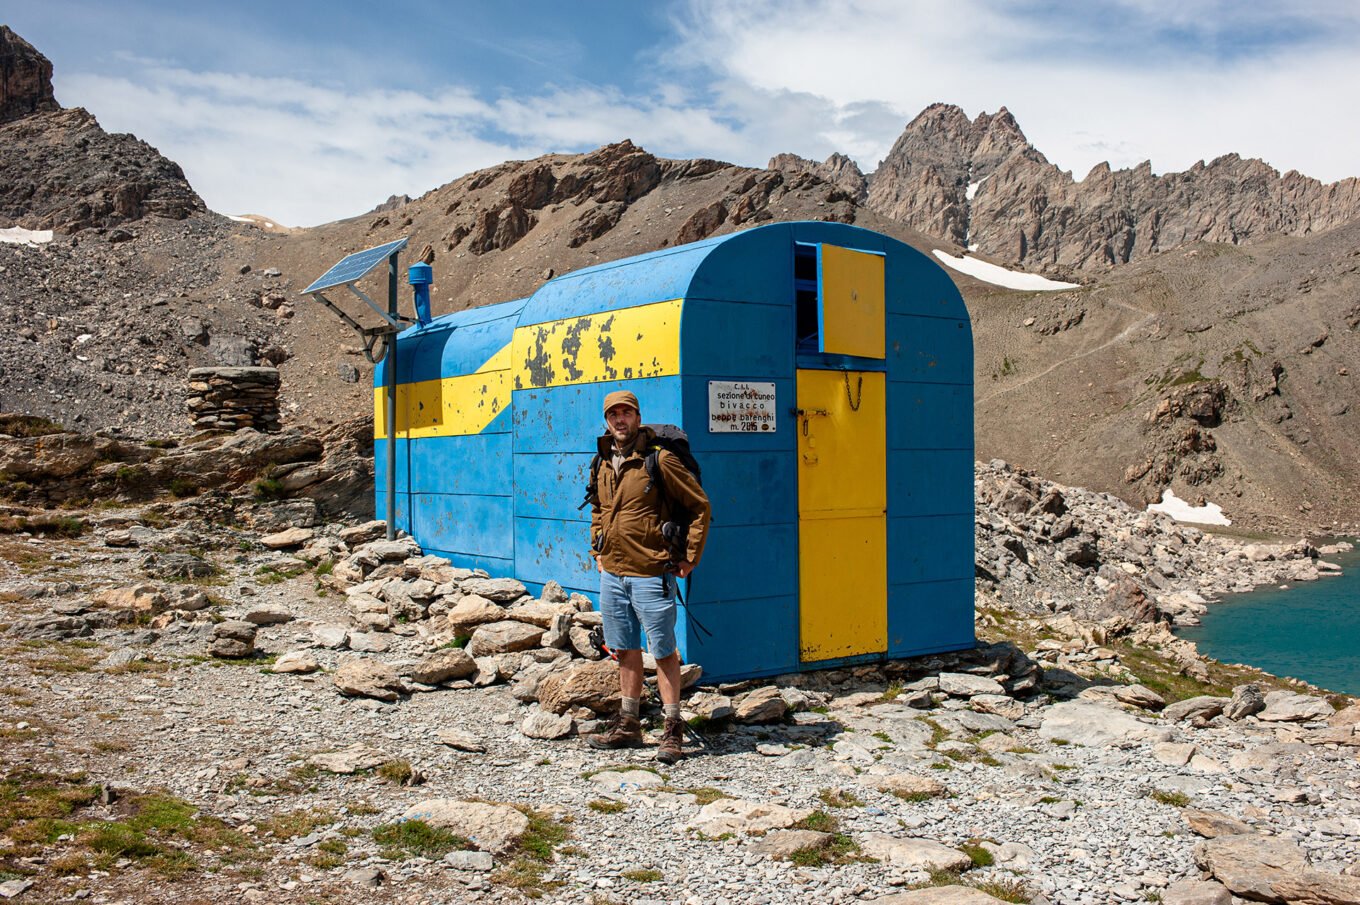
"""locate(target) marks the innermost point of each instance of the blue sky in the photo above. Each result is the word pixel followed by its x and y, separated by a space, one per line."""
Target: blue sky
pixel 307 112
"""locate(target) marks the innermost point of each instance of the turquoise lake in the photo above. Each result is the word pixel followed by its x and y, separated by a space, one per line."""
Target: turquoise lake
pixel 1310 631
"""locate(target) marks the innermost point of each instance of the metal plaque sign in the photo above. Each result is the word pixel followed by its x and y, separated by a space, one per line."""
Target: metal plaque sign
pixel 740 408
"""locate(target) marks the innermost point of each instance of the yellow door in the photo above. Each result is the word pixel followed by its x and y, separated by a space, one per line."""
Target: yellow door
pixel 842 514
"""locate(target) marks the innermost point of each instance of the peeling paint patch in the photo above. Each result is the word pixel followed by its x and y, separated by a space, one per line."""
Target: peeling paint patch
pixel 594 349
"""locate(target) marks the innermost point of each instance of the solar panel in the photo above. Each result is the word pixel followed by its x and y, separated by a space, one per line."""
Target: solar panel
pixel 353 267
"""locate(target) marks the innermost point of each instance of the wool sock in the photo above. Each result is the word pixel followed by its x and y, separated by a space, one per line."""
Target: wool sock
pixel 630 706
pixel 672 711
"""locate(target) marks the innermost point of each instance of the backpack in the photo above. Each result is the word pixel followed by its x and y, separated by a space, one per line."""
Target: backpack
pixel 676 442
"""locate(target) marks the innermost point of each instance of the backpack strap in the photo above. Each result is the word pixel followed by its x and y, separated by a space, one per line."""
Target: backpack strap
pixel 592 484
pixel 652 463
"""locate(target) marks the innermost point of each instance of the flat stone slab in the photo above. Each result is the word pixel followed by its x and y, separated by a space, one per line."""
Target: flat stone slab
pixel 738 816
pixel 481 862
pixel 461 741
pixel 1291 707
pixel 1096 725
pixel 784 844
pixel 292 537
pixel 356 757
pixel 295 661
pixel 492 828
pixel 965 685
pixel 913 853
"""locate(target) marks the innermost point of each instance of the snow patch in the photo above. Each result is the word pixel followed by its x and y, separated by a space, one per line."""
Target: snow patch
pixel 1181 511
pixel 240 219
pixel 17 235
pixel 1000 276
pixel 973 187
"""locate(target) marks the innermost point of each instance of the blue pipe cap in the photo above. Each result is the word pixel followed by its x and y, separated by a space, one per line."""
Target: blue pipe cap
pixel 420 275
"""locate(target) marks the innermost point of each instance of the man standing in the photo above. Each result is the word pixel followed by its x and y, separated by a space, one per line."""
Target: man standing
pixel 639 567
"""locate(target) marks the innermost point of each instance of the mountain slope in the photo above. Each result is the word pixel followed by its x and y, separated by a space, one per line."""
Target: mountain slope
pixel 1220 370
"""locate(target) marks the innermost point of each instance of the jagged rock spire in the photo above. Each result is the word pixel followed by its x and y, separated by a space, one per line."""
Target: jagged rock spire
pixel 25 78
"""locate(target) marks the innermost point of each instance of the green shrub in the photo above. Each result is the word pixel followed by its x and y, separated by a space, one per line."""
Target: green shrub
pixel 267 489
pixel 182 487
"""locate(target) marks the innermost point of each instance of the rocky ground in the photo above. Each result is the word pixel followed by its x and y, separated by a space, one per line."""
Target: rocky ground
pixel 223 697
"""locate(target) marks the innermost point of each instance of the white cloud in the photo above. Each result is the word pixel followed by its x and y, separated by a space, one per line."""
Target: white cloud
pixel 304 153
pixel 742 81
pixel 1080 90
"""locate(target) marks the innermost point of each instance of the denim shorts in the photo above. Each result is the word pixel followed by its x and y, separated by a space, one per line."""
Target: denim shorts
pixel 631 605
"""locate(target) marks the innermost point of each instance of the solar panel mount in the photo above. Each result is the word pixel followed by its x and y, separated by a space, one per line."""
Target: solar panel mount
pixel 347 273
pixel 353 268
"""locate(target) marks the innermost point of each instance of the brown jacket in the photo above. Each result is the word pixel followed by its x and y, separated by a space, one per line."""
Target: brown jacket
pixel 626 518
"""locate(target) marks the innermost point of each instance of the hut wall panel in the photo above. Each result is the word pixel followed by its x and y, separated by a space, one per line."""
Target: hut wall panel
pixel 552 486
pixel 556 550
pixel 930 416
pixel 749 637
pixel 929 617
pixel 930 482
pixel 748 561
pixel 466 525
pixel 929 350
pixel 930 548
pixel 403 505
pixel 749 487
pixel 918 285
pixel 474 464
pixel 722 339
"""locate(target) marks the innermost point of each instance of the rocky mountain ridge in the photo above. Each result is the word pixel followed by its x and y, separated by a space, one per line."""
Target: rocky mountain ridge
pixel 1215 370
pixel 65 173
pixel 980 183
pixel 25 78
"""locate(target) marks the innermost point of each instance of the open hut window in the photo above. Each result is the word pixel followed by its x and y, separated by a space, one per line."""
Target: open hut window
pixel 805 294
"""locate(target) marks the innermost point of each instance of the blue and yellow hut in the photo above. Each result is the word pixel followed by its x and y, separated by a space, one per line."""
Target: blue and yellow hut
pixel 824 375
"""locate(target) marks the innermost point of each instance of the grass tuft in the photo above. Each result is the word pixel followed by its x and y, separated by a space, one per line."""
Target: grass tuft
pixel 977 854
pixel 292 824
pixel 602 806
pixel 818 821
pixel 839 798
pixel 840 850
pixel 397 772
pixel 409 838
pixel 1174 799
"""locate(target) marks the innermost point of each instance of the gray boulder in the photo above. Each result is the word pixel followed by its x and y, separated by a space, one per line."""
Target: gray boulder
pixel 443 666
pixel 1290 707
pixel 1196 709
pixel 503 638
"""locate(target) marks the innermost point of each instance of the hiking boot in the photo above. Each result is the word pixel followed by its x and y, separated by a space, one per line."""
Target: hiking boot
pixel 623 731
pixel 672 746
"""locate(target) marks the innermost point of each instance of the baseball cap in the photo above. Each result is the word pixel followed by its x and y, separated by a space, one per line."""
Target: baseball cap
pixel 621 397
